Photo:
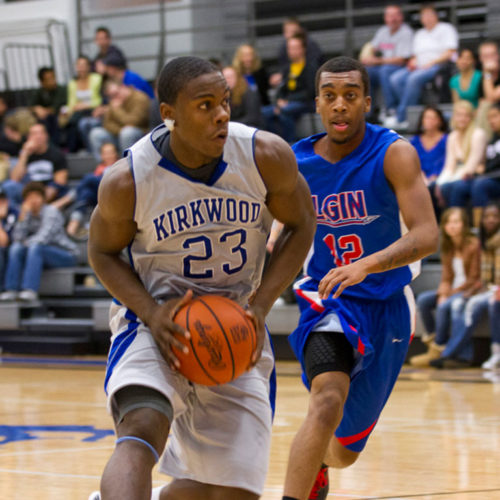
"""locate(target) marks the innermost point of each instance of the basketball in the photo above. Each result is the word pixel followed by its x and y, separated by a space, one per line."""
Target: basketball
pixel 222 340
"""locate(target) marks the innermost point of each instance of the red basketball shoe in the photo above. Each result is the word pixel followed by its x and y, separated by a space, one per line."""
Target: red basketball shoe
pixel 320 489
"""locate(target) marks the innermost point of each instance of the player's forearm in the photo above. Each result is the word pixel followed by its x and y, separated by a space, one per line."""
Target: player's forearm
pixel 414 245
pixel 123 283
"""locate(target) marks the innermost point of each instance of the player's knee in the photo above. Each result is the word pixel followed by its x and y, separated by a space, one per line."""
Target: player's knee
pixel 346 457
pixel 327 406
pixel 146 424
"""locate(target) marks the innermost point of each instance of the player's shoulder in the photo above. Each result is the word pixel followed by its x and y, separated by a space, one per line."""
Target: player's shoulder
pixel 304 148
pixel 118 177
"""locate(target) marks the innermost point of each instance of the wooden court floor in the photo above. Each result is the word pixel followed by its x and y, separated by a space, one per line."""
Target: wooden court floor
pixel 438 438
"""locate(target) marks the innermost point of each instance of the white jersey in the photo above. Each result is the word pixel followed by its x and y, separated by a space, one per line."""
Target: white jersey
pixel 208 237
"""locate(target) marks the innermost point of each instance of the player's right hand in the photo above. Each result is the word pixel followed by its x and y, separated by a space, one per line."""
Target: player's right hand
pixel 165 331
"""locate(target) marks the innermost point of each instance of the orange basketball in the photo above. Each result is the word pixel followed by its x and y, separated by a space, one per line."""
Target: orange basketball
pixel 222 340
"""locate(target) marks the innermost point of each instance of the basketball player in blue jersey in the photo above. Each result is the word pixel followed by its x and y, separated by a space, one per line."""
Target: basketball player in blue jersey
pixel 356 310
pixel 192 203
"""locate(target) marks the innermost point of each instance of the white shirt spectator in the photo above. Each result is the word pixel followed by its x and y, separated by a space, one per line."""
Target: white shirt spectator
pixel 397 44
pixel 429 45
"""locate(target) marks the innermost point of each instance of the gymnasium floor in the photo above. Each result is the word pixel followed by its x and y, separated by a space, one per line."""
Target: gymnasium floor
pixel 438 438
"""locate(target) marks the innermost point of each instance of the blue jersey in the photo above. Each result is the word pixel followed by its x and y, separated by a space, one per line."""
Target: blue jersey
pixel 357 212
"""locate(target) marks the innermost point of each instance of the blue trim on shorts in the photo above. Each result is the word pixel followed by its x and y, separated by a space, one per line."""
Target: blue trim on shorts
pixel 272 379
pixel 120 345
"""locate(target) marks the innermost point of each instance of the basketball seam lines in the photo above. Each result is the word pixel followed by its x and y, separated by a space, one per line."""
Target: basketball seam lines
pixel 223 332
pixel 254 338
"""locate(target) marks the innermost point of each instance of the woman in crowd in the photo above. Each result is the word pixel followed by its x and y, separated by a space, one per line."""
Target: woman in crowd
pixel 430 143
pixel 247 62
pixel 460 279
pixel 463 325
pixel 465 151
pixel 245 102
pixel 466 84
pixel 84 94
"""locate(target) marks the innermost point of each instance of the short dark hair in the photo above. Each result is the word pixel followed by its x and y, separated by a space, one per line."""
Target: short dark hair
pixel 444 124
pixel 343 64
pixel 114 60
pixel 33 187
pixel 43 70
pixel 178 72
pixel 104 30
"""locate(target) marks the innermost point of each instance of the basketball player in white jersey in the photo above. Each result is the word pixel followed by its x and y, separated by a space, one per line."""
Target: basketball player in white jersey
pixel 192 203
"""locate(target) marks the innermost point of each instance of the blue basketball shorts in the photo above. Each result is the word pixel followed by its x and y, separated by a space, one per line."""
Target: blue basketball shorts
pixel 380 332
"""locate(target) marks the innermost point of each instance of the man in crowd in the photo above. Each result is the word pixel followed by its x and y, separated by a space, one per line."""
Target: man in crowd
pixel 387 52
pixel 105 48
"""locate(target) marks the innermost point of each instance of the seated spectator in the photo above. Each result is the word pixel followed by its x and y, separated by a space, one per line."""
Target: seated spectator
pixel 430 143
pixel 105 48
pixel 314 54
pixel 460 279
pixel 39 161
pixel 245 102
pixel 248 63
pixel 490 82
pixel 459 349
pixel 493 362
pixel 486 187
pixel 465 150
pixel 84 95
pixel 15 129
pixel 387 52
pixel 38 241
pixel 117 71
pixel 433 45
pixel 125 121
pixel 48 100
pixel 8 217
pixel 466 84
pixel 4 108
pixel 295 95
pixel 85 194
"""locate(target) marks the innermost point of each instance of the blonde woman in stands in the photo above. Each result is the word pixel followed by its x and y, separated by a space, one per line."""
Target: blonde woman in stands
pixel 465 154
pixel 84 94
pixel 460 279
pixel 247 61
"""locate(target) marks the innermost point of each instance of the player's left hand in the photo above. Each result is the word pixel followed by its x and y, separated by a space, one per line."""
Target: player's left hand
pixel 257 317
pixel 344 276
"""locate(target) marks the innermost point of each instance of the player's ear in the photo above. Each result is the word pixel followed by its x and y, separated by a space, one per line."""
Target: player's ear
pixel 168 115
pixel 368 103
pixel 316 101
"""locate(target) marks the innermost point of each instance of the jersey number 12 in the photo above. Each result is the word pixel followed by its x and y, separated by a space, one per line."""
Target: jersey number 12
pixel 345 249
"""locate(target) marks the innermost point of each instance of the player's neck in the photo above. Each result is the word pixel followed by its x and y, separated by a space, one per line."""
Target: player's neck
pixel 334 151
pixel 186 155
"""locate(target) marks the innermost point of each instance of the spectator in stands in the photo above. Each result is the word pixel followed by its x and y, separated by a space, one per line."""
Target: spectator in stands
pixel 125 121
pixel 38 241
pixel 466 84
pixel 460 279
pixel 247 61
pixel 296 93
pixel 465 151
pixel 105 48
pixel 117 71
pixel 314 54
pixel 433 45
pixel 40 161
pixel 84 95
pixel 48 100
pixel 430 143
pixel 245 102
pixel 85 194
pixel 8 217
pixel 486 187
pixel 459 349
pixel 15 129
pixel 4 108
pixel 490 82
pixel 387 52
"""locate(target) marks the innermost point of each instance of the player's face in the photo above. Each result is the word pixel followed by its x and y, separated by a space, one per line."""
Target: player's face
pixel 342 104
pixel 201 115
